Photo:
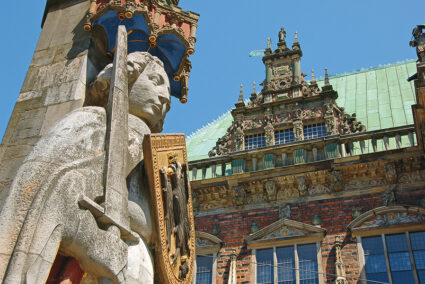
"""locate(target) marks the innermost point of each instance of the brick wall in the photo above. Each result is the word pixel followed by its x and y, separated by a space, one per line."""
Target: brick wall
pixel 335 214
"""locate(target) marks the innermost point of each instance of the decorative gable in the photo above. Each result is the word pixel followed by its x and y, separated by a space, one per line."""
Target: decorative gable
pixel 207 243
pixel 285 231
pixel 388 219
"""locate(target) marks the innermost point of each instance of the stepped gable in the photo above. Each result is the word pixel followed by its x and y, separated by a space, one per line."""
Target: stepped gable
pixel 380 96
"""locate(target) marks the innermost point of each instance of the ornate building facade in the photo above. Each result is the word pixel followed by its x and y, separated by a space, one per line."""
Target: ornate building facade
pixel 314 182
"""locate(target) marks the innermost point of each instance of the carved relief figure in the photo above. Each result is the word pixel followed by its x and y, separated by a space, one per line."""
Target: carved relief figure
pixel 390 196
pixel 285 211
pixel 269 133
pixel 239 135
pixel 391 173
pixel 270 188
pixel 239 195
pixel 298 130
pixel 174 183
pixel 66 165
pixel 302 185
pixel 336 181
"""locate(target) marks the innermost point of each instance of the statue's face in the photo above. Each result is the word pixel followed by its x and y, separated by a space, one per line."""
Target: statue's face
pixel 149 97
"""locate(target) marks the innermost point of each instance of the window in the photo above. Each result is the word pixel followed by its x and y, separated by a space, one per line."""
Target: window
pixel 314 131
pixel 284 136
pixel 204 268
pixel 403 254
pixel 291 264
pixel 255 141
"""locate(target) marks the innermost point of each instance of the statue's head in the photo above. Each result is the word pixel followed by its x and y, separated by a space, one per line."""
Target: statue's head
pixel 148 89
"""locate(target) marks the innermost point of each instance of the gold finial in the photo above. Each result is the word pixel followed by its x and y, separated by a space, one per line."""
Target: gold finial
pixel 312 75
pixel 240 100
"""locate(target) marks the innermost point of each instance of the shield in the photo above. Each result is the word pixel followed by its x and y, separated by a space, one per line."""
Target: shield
pixel 167 170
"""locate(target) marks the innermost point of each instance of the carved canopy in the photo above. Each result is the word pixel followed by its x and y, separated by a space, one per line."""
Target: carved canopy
pixel 157 27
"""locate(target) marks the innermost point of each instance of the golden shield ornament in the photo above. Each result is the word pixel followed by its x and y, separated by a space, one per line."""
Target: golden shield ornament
pixel 168 174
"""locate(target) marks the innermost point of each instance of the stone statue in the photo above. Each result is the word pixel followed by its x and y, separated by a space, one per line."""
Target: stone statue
pixel 419 42
pixel 65 169
pixel 282 35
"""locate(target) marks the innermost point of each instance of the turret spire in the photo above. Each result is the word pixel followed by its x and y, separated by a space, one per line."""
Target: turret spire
pixel 326 77
pixel 240 100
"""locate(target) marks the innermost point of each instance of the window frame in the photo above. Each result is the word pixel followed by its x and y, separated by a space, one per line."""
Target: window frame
pixel 211 250
pixel 283 130
pixel 296 260
pixel 251 135
pixel 310 125
pixel 213 267
pixel 362 259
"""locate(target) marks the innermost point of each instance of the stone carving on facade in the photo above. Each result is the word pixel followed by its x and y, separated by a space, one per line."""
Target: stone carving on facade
pixel 390 195
pixel 361 183
pixel 201 242
pixel 298 130
pixel 285 211
pixel 270 190
pixel 239 136
pixel 239 195
pixel 287 188
pixel 356 212
pixel 350 124
pixel 316 189
pixel 412 177
pixel 269 133
pixel 330 119
pixel 215 230
pixel 391 173
pixel 301 185
pixel 284 232
pixel 339 263
pixel 336 182
pixel 390 219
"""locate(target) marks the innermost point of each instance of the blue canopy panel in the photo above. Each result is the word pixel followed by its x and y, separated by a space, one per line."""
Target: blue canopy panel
pixel 169 48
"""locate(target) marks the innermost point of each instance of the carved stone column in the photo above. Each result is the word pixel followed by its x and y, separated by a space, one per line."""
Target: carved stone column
pixel 269 134
pixel 298 130
pixel 339 264
pixel 232 270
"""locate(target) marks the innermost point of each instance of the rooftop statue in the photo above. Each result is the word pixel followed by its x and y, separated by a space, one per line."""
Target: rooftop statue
pixel 419 42
pixel 44 210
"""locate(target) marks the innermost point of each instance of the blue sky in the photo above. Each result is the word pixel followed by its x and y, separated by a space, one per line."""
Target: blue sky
pixel 341 35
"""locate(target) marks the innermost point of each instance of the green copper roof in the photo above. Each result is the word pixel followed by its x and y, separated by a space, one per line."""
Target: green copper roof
pixel 381 98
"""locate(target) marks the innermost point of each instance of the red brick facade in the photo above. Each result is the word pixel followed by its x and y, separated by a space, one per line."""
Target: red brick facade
pixel 335 213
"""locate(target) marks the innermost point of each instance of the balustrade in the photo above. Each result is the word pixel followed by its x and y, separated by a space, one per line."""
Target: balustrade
pixel 307 151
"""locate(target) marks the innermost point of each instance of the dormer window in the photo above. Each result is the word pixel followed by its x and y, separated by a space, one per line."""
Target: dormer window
pixel 255 141
pixel 313 131
pixel 284 136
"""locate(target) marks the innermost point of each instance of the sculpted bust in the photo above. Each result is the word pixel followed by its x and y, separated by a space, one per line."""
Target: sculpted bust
pixel 42 213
